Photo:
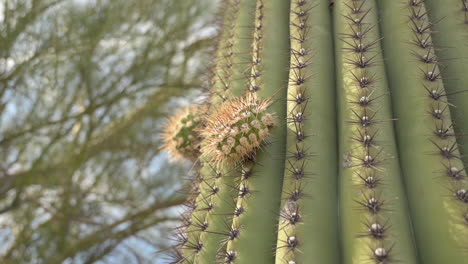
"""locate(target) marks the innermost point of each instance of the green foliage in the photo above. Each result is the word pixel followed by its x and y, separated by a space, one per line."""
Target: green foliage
pixel 363 164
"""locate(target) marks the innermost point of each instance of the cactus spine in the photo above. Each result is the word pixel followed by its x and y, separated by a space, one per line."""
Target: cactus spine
pixel 329 136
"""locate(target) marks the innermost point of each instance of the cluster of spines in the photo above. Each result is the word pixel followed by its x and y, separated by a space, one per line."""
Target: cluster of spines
pixel 367 156
pixel 298 145
pixel 235 130
pixel 254 84
pixel 443 136
pixel 204 187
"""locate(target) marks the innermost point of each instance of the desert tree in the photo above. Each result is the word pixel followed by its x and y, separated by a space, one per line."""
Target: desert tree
pixel 84 88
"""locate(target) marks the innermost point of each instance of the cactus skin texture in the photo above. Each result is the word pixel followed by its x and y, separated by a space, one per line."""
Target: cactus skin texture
pixel 333 134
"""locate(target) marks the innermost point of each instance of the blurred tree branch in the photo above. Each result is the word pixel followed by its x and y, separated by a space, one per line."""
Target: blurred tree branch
pixel 102 142
pixel 84 87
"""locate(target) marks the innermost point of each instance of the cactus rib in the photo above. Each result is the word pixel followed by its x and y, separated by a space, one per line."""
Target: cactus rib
pixel 452 37
pixel 374 216
pixel 259 192
pixel 307 222
pixel 432 169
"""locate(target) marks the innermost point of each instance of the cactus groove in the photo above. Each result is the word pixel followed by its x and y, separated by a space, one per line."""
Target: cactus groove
pixel 333 133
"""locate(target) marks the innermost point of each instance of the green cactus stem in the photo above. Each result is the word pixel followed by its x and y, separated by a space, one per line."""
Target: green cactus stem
pixel 329 137
pixel 434 175
pixel 451 36
pixel 374 213
pixel 307 230
pixel 260 188
pixel 217 193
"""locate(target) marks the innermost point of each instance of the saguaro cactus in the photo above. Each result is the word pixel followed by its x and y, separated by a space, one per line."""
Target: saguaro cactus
pixel 329 136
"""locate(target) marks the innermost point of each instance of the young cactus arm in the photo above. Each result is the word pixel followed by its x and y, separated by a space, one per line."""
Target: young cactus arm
pixel 261 199
pixel 374 213
pixel 451 35
pixel 435 180
pixel 307 229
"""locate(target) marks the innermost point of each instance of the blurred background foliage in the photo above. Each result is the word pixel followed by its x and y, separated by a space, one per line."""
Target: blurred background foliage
pixel 84 88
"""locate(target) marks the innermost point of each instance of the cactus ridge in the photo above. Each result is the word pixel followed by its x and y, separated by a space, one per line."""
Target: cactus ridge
pixel 374 223
pixel 446 147
pixel 231 253
pixel 224 61
pixel 451 35
pixel 202 201
pixel 427 141
pixel 309 183
pixel 197 224
pixel 258 198
pixel 250 130
pixel 445 144
pixel 218 217
pixel 366 157
pixel 294 218
pixel 256 66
